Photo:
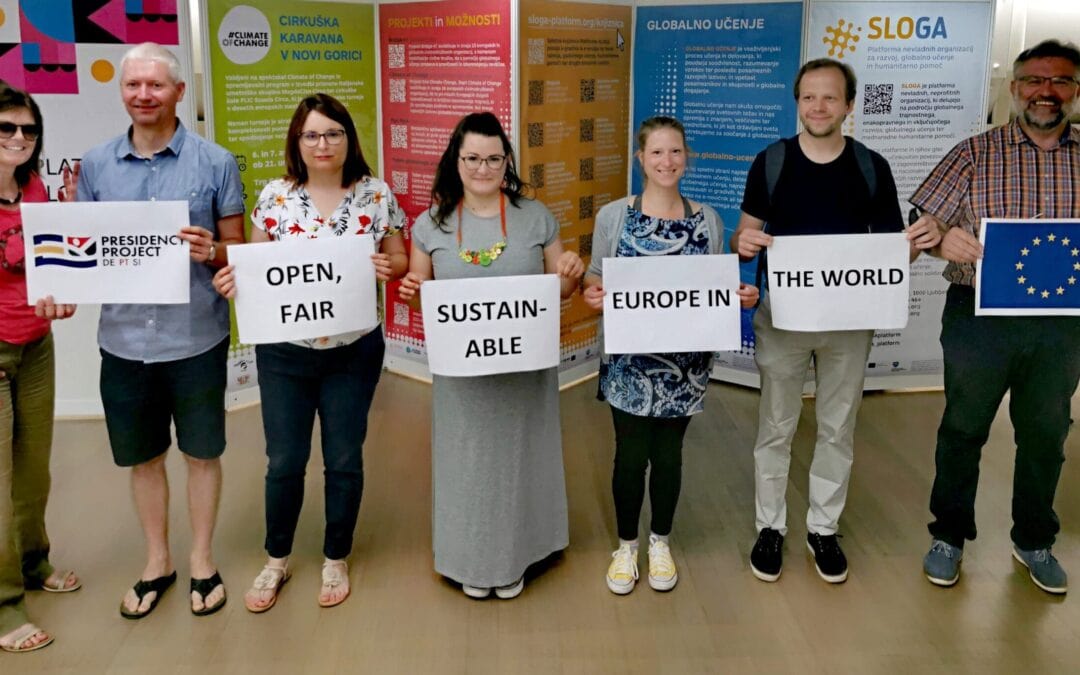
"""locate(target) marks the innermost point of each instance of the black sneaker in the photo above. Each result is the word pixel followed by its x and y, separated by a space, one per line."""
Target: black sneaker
pixel 828 558
pixel 766 560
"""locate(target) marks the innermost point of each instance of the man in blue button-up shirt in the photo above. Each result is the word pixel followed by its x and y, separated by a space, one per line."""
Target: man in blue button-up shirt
pixel 166 363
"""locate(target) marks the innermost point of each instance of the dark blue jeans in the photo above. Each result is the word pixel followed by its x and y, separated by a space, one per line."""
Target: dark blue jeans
pixel 1036 360
pixel 295 383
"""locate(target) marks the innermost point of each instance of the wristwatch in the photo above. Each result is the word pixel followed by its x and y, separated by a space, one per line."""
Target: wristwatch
pixel 213 250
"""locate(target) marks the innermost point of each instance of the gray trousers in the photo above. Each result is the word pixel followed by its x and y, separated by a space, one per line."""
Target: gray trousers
pixel 782 358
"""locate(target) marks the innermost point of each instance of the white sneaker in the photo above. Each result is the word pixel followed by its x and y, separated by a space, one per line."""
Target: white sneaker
pixel 475 591
pixel 511 591
pixel 662 574
pixel 622 573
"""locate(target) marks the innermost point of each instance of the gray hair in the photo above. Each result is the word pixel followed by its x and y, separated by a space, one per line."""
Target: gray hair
pixel 152 51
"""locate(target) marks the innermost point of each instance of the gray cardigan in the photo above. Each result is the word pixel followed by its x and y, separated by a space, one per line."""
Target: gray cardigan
pixel 609 222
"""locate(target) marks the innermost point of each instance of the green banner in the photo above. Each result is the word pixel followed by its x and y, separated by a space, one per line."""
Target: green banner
pixel 264 59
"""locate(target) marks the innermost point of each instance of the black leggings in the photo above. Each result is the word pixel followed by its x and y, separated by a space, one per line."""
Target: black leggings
pixel 639 442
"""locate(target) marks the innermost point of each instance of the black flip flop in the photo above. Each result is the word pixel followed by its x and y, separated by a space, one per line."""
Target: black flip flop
pixel 142 588
pixel 205 587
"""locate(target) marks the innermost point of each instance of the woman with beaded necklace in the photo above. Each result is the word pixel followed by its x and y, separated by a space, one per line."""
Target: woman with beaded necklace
pixel 652 396
pixel 499 501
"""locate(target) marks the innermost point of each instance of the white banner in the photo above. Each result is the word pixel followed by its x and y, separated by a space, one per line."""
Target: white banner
pixel 671 304
pixel 304 288
pixel 839 282
pixel 115 252
pixel 491 325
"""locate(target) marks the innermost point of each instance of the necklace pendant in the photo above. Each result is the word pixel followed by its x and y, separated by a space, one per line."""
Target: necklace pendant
pixel 485 258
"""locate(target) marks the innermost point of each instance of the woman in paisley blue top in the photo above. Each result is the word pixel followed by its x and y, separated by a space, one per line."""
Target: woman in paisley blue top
pixel 328 191
pixel 652 396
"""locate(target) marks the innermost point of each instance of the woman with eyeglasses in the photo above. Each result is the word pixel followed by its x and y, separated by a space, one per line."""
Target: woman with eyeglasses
pixel 328 191
pixel 27 387
pixel 652 396
pixel 499 501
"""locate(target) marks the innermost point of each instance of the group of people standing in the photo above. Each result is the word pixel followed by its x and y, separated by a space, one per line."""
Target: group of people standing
pixel 499 496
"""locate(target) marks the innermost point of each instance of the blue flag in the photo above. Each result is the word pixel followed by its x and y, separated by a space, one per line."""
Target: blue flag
pixel 1030 267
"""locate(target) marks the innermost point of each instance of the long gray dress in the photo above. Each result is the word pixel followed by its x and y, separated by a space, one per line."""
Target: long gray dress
pixel 499 500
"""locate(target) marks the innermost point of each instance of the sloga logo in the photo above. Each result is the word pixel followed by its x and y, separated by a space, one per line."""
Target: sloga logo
pixel 906 28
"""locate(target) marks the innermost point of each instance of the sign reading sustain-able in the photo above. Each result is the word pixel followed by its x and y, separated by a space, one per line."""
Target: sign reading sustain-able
pixel 839 282
pixel 671 304
pixel 299 289
pixel 115 252
pixel 491 325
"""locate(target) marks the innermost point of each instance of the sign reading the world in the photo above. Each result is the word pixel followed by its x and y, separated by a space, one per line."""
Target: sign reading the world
pixel 1028 268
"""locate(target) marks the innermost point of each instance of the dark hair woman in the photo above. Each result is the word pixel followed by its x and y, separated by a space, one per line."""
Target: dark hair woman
pixel 328 191
pixel 499 493
pixel 26 386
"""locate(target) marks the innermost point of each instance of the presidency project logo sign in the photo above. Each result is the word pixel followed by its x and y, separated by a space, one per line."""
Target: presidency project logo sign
pixel 65 251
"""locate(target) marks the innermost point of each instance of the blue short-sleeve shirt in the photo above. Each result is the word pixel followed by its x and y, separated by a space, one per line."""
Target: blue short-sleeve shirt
pixel 189 168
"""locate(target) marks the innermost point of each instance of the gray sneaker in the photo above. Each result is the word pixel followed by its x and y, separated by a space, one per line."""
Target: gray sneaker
pixel 942 563
pixel 1044 569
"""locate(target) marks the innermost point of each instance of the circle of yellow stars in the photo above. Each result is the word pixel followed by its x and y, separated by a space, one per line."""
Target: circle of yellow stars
pixel 1044 293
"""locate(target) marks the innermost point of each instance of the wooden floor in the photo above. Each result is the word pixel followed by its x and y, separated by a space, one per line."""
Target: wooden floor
pixel 403 618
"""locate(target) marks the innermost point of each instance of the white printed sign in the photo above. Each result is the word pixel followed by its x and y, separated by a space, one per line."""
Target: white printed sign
pixel 671 304
pixel 297 289
pixel 839 282
pixel 491 325
pixel 115 252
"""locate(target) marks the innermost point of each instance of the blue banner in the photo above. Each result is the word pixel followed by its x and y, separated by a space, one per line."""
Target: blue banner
pixel 1030 267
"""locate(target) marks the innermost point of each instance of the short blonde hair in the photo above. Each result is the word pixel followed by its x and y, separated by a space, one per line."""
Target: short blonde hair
pixel 152 51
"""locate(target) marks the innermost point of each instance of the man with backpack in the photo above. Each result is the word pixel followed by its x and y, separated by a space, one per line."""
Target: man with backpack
pixel 818 182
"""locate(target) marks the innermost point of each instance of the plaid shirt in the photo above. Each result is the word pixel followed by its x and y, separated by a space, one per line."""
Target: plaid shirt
pixel 1001 174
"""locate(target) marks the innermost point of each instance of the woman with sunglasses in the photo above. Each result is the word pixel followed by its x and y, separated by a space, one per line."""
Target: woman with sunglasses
pixel 499 500
pixel 328 191
pixel 26 387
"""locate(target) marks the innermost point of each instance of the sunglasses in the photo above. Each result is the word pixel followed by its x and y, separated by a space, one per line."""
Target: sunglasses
pixel 29 131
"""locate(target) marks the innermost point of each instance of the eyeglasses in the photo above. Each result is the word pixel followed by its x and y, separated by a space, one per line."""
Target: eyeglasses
pixel 1037 81
pixel 29 131
pixel 493 162
pixel 333 137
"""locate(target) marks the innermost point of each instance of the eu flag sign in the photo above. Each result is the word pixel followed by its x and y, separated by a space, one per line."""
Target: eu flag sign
pixel 1029 267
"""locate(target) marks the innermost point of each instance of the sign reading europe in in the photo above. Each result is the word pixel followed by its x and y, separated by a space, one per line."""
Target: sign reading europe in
pixel 839 282
pixel 114 252
pixel 1029 267
pixel 304 289
pixel 671 304
pixel 491 325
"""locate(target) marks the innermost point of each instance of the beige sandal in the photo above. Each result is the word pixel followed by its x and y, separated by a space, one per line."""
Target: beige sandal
pixel 19 636
pixel 270 579
pixel 335 573
pixel 61 585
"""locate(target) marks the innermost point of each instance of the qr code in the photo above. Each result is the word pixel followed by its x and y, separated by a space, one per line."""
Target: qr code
pixel 584 244
pixel 585 127
pixel 536 134
pixel 585 168
pixel 397 90
pixel 536 51
pixel 588 91
pixel 396 56
pixel 536 176
pixel 536 92
pixel 877 99
pixel 399 182
pixel 399 136
pixel 401 314
pixel 585 207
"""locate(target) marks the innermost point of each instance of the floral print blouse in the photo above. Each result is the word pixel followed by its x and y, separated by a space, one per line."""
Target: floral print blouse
pixel 286 210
